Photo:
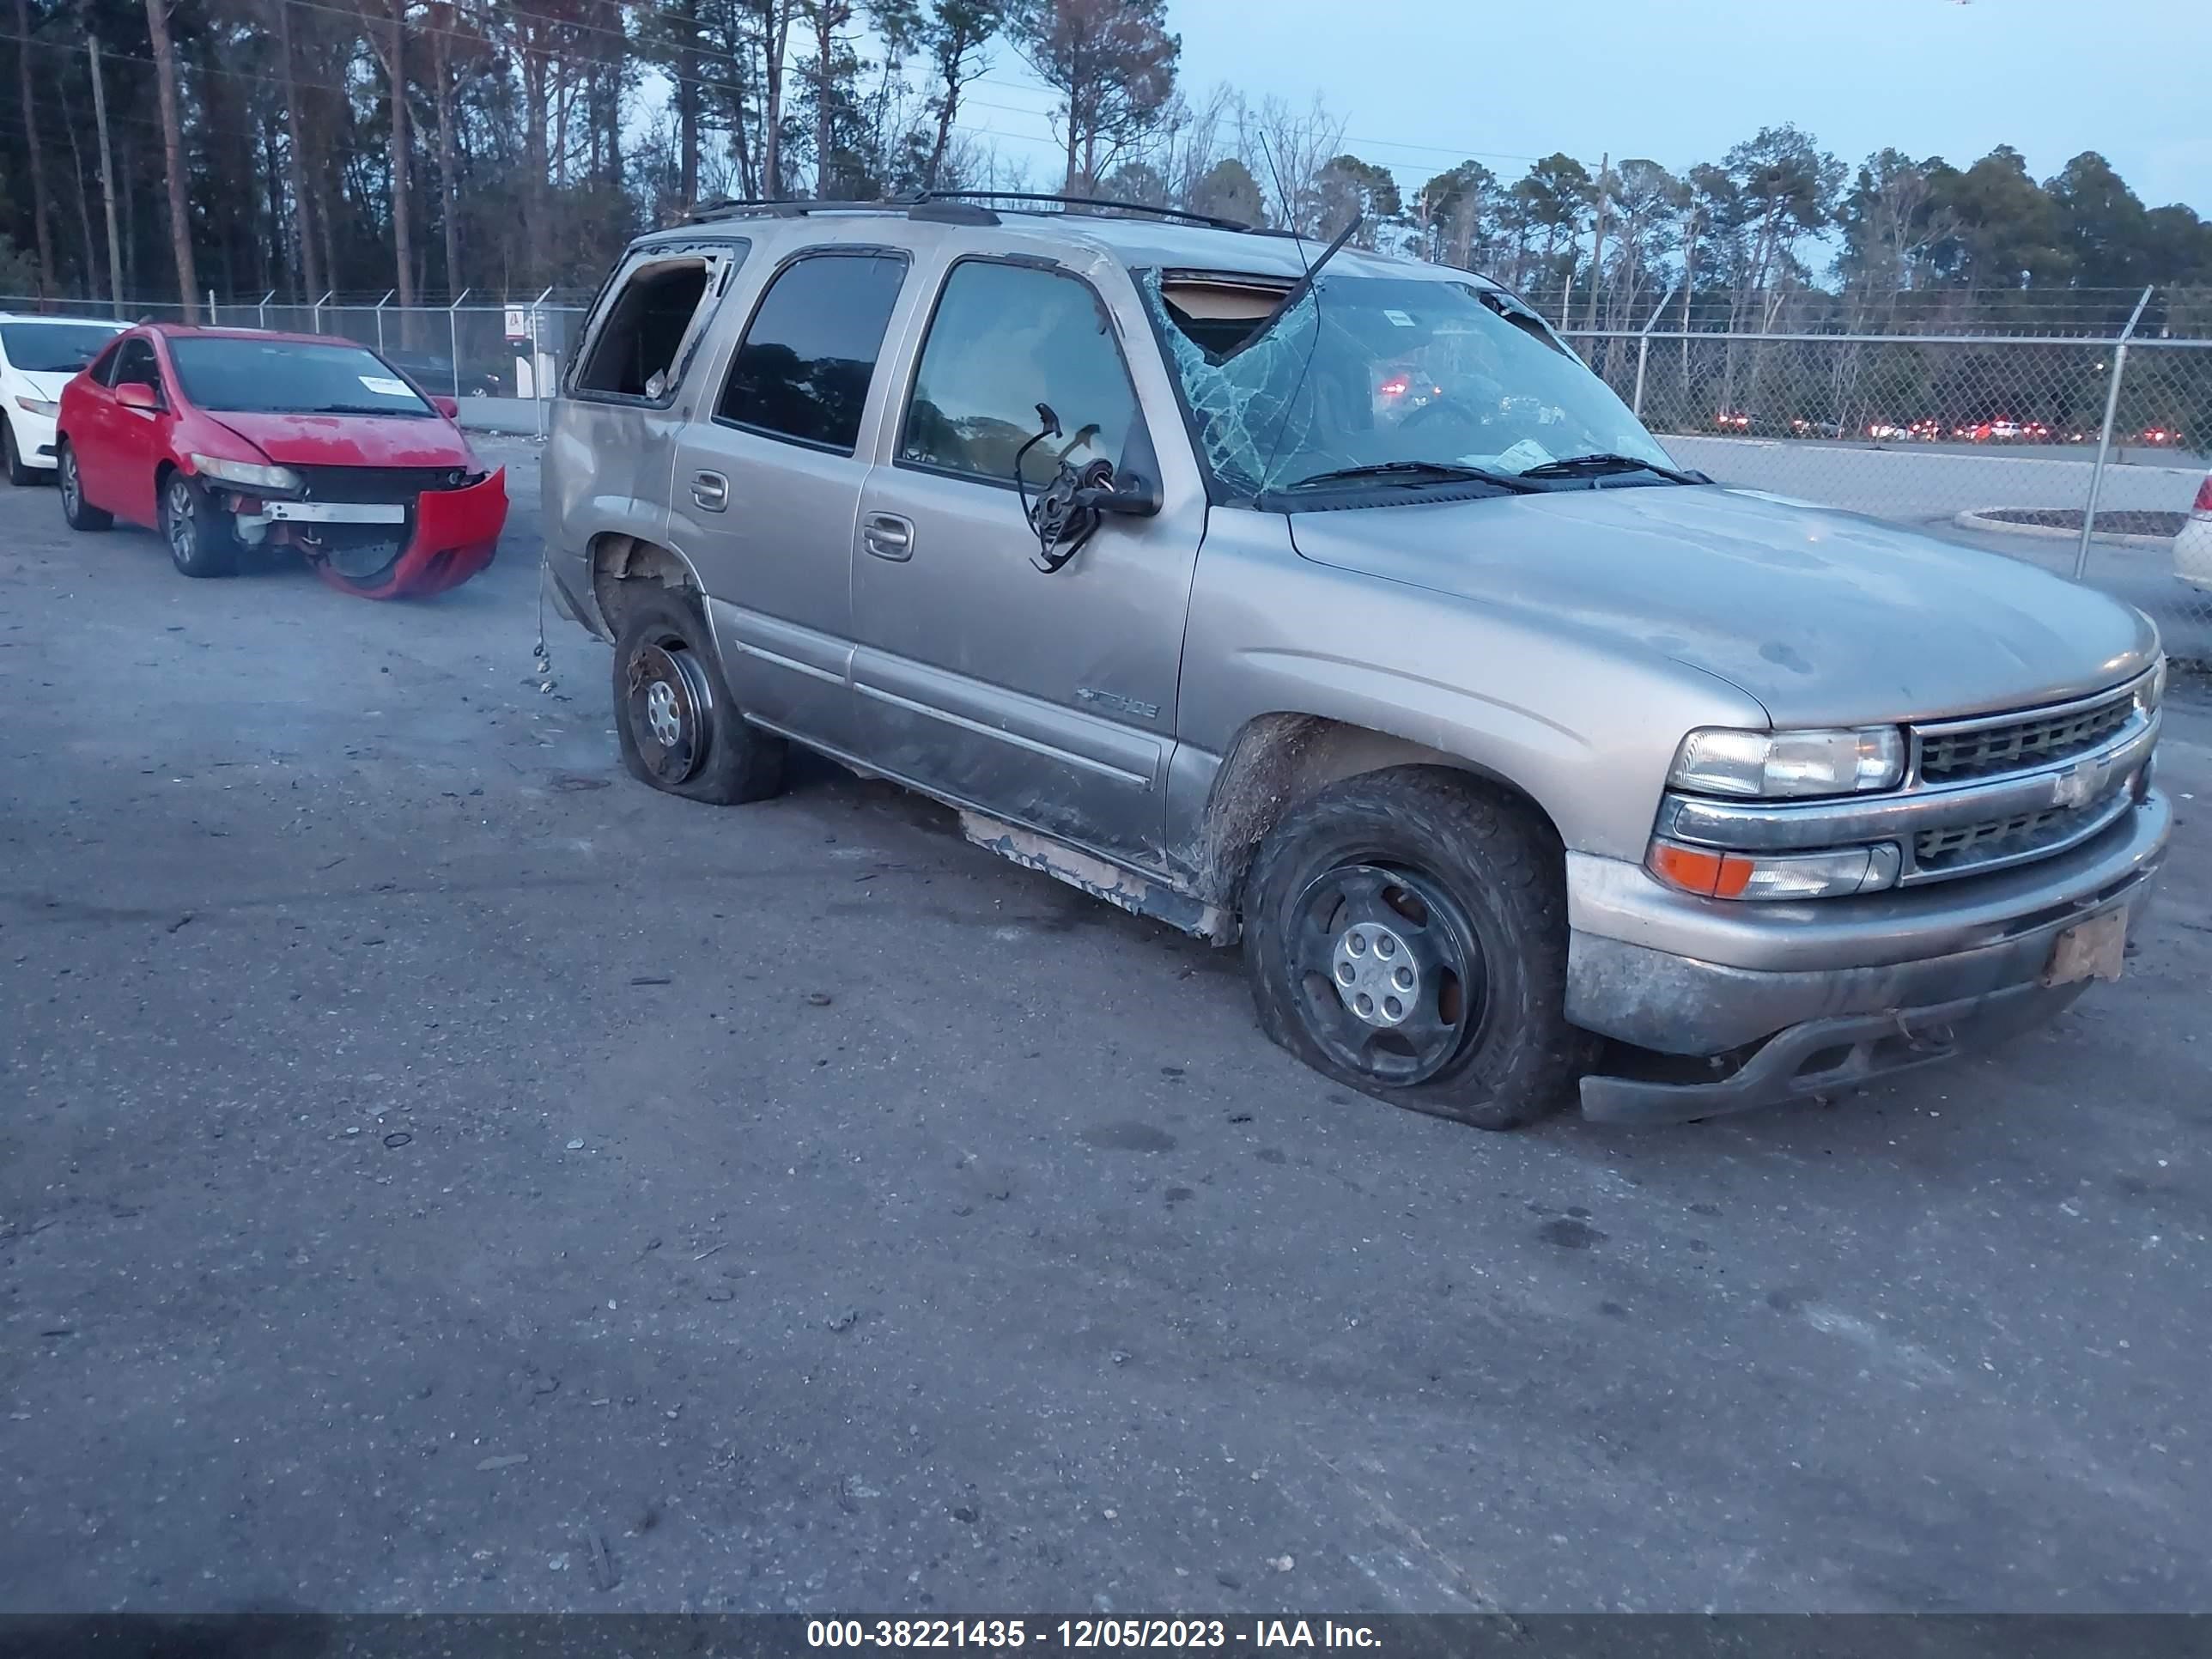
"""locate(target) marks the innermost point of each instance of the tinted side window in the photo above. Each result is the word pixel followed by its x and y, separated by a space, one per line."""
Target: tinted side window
pixel 1004 339
pixel 103 366
pixel 803 369
pixel 136 362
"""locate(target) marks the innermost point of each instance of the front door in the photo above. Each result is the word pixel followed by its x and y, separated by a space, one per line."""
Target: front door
pixel 767 491
pixel 121 443
pixel 1044 698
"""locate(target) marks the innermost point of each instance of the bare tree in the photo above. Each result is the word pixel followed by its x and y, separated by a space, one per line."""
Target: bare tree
pixel 311 270
pixel 956 38
pixel 452 41
pixel 44 235
pixel 1112 64
pixel 1287 152
pixel 173 156
pixel 823 19
pixel 391 49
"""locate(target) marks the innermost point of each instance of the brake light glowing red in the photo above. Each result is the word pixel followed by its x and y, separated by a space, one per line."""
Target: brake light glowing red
pixel 1396 386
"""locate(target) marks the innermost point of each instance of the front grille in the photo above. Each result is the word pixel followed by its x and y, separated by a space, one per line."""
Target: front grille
pixel 1959 848
pixel 2019 745
pixel 377 484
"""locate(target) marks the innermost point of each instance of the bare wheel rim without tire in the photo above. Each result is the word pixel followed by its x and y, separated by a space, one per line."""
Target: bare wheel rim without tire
pixel 1389 973
pixel 671 709
pixel 180 521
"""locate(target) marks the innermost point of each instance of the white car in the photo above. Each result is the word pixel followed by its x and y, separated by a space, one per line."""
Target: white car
pixel 2193 548
pixel 38 356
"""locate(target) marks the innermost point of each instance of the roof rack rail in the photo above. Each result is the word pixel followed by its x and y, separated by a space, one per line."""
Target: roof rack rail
pixel 945 210
pixel 1089 203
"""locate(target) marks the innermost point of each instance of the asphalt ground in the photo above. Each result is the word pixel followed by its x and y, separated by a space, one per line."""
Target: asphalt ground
pixel 437 1172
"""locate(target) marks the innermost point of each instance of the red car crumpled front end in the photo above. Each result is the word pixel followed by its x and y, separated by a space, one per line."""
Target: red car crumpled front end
pixel 453 534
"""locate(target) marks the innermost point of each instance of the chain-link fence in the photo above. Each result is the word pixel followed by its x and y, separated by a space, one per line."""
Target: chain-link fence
pixel 2083 456
pixel 505 357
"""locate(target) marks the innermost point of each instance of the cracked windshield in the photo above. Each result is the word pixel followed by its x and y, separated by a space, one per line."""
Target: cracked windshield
pixel 1380 371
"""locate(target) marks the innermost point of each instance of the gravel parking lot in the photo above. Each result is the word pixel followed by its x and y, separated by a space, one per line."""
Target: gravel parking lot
pixel 438 1172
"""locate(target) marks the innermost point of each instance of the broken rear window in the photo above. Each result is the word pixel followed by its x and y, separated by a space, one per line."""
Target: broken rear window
pixel 640 348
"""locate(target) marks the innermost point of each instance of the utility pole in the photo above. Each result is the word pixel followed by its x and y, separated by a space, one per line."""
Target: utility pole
pixel 106 179
pixel 1597 239
pixel 172 156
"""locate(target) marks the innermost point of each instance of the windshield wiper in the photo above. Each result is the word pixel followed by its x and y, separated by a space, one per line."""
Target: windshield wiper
pixel 1411 472
pixel 1584 466
pixel 354 409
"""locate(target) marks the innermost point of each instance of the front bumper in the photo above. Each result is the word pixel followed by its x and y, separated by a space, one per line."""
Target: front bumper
pixel 1742 1006
pixel 455 533
pixel 34 436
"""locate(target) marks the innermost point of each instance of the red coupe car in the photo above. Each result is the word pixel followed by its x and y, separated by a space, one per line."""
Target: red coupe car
pixel 224 438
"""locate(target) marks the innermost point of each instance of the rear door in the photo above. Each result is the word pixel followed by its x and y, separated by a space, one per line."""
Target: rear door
pixel 1047 699
pixel 611 451
pixel 768 487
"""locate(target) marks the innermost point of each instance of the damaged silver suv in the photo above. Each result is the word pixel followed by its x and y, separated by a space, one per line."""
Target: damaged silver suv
pixel 1328 601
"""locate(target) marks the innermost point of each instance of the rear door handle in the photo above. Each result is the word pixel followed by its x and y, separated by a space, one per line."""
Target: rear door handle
pixel 711 491
pixel 888 535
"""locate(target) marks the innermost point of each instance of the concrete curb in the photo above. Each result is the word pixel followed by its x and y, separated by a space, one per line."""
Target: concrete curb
pixel 1973 519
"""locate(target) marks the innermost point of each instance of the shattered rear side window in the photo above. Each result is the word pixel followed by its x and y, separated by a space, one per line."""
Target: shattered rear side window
pixel 1250 409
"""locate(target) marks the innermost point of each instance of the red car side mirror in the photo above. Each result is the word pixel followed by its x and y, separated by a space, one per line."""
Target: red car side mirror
pixel 449 407
pixel 137 394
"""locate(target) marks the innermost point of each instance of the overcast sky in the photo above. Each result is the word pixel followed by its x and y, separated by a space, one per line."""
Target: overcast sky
pixel 1424 83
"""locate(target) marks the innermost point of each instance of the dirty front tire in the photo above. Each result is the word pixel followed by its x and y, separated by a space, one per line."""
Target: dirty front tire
pixel 77 512
pixel 680 729
pixel 1406 933
pixel 12 456
pixel 201 540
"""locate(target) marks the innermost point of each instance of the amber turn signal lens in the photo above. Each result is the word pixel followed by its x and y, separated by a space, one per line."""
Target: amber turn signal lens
pixel 1711 875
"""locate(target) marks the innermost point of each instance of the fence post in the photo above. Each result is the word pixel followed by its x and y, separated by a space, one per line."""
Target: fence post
pixel 2105 436
pixel 1643 351
pixel 213 320
pixel 319 306
pixel 537 357
pixel 381 304
pixel 263 307
pixel 454 337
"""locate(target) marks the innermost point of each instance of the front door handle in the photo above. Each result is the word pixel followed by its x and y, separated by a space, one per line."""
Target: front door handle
pixel 888 535
pixel 711 491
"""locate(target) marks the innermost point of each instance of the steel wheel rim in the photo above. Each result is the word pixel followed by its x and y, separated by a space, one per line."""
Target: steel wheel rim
pixel 70 498
pixel 671 709
pixel 1389 973
pixel 184 533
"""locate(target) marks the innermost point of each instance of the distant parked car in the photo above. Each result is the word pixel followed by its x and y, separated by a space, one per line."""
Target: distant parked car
pixel 229 438
pixel 1730 421
pixel 38 355
pixel 435 375
pixel 2193 548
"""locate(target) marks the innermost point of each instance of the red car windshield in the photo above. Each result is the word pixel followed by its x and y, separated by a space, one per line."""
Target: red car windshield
pixel 290 377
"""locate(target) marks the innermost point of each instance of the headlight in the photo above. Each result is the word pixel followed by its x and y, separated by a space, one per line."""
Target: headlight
pixel 38 406
pixel 279 480
pixel 1717 762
